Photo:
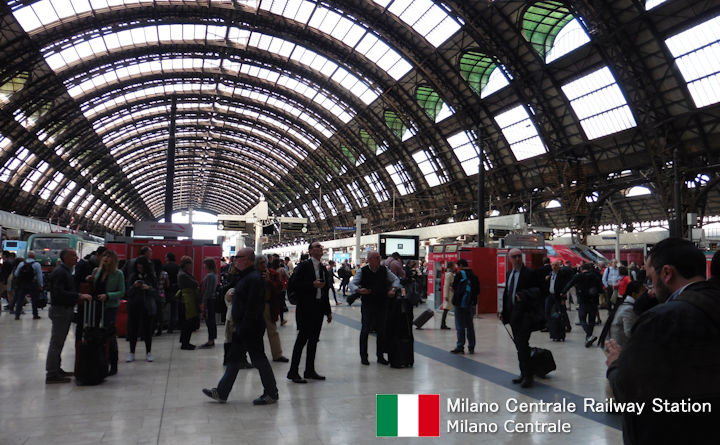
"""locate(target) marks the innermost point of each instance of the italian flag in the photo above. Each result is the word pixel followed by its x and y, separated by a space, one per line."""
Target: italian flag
pixel 408 415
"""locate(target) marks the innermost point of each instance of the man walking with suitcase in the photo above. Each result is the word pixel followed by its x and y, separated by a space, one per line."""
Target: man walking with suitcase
pixel 375 284
pixel 520 311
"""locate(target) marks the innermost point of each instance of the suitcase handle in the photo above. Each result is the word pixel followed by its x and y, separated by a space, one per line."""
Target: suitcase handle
pixel 90 312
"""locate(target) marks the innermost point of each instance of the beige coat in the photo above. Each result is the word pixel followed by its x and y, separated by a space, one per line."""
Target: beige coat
pixel 448 291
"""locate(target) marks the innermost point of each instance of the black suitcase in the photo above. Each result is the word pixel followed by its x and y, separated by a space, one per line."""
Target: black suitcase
pixel 542 361
pixel 559 323
pixel 401 348
pixel 423 318
pixel 92 364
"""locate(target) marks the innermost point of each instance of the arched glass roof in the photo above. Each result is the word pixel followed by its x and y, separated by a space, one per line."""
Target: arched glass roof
pixel 334 108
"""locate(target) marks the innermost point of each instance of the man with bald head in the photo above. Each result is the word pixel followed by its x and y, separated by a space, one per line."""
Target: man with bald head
pixel 519 310
pixel 375 284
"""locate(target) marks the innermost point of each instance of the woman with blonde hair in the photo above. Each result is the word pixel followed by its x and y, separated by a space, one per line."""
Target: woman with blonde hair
pixel 190 307
pixel 108 285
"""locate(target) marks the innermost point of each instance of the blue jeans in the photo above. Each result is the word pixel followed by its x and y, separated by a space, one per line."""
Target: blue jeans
pixel 464 326
pixel 588 314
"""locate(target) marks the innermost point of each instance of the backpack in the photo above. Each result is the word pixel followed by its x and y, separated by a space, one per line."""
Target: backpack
pixel 460 287
pixel 26 275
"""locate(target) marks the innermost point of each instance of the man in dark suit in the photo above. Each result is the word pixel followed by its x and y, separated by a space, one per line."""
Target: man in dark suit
pixel 553 285
pixel 311 283
pixel 522 303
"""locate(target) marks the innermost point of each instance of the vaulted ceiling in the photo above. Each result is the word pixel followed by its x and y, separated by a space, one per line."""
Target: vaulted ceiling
pixel 381 108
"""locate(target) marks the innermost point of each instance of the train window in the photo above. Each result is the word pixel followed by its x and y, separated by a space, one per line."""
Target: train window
pixel 40 244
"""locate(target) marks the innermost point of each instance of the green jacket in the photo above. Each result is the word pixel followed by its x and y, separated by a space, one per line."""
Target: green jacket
pixel 115 287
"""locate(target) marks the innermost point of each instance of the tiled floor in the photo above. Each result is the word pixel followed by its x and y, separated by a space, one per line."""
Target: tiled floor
pixel 162 402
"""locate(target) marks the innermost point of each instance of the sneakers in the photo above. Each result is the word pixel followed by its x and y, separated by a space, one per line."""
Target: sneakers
pixel 57 379
pixel 65 373
pixel 130 358
pixel 281 359
pixel 265 399
pixel 148 357
pixel 207 345
pixel 213 394
pixel 589 341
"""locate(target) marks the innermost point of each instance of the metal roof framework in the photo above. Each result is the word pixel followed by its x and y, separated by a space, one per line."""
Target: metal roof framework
pixel 292 98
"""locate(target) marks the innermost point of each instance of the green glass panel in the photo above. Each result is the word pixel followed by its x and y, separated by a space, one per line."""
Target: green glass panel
pixel 15 84
pixel 475 68
pixel 368 141
pixel 429 100
pixel 542 22
pixel 348 154
pixel 397 126
pixel 333 165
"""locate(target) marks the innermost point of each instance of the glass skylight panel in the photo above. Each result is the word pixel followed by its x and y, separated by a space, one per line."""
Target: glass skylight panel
pixel 425 17
pixel 343 199
pixel 51 185
pixel 33 177
pixel 400 177
pixel 697 54
pixel 445 112
pixel 424 160
pixel 358 194
pixel 637 191
pixel 650 4
pixel 373 181
pixel 520 133
pixel 599 104
pixel 385 57
pixel 496 82
pixel 318 208
pixel 570 37
pixel 308 213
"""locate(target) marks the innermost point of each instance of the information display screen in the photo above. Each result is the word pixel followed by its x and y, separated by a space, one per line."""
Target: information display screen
pixel 407 246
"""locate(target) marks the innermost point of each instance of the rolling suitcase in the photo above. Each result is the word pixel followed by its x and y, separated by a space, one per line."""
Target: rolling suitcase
pixel 542 361
pixel 92 364
pixel 401 348
pixel 557 323
pixel 423 318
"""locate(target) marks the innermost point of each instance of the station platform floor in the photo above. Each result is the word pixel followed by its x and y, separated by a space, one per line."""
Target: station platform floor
pixel 162 402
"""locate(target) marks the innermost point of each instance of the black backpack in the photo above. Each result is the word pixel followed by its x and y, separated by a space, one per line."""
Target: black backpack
pixel 26 275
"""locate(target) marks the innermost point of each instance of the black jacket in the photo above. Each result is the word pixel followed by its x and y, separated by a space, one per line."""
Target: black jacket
pixel 302 283
pixel 526 281
pixel 674 354
pixel 249 303
pixel 62 287
pixel 588 286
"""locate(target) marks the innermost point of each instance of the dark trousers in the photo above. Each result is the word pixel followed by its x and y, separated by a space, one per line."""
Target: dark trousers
pixel 373 316
pixel 20 300
pixel 138 316
pixel 443 322
pixel 465 327
pixel 521 326
pixel 174 310
pixel 309 327
pixel 332 287
pixel 210 319
pixel 160 318
pixel 186 330
pixel 550 301
pixel 253 343
pixel 588 314
pixel 344 285
pixel 109 320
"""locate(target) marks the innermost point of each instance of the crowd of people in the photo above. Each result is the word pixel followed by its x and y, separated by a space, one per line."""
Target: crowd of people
pixel 661 336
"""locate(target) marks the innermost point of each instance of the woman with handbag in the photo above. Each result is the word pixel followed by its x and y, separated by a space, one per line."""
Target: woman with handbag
pixel 141 306
pixel 109 286
pixel 190 307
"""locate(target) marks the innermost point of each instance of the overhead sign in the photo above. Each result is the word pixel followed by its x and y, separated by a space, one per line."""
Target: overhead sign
pixel 229 224
pixel 152 228
pixel 340 229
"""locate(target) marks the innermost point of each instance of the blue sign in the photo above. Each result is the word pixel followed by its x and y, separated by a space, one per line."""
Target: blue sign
pixel 340 229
